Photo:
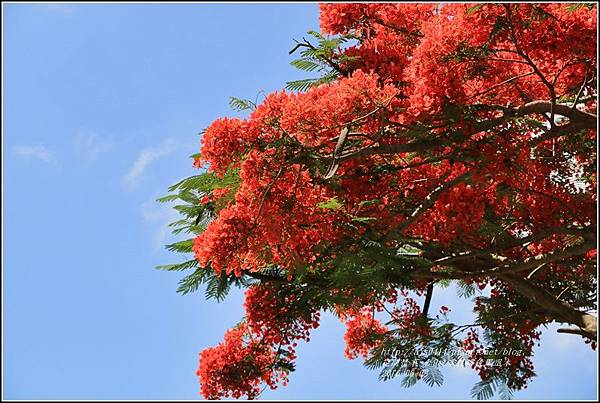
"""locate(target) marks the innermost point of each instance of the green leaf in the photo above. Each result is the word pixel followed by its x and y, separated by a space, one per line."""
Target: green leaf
pixel 363 219
pixel 433 376
pixel 483 390
pixel 504 391
pixel 306 65
pixel 207 182
pixel 188 211
pixel 465 290
pixel 315 34
pixel 167 198
pixel 575 7
pixel 217 287
pixel 189 264
pixel 327 78
pixel 181 246
pixel 241 104
pixel 409 380
pixel 369 202
pixel 331 204
pixel 286 366
pixel 302 85
pixel 500 24
pixel 191 283
pixel 474 9
pixel 179 223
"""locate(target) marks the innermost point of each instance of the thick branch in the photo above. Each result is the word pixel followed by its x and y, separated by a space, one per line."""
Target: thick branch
pixel 579 120
pixel 469 254
pixel 428 299
pixel 582 119
pixel 535 261
pixel 572 331
pixel 423 145
pixel 586 322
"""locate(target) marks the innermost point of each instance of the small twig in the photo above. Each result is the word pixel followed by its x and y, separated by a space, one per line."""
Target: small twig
pixel 535 270
pixel 399 29
pixel 296 181
pixel 506 60
pixel 562 292
pixel 500 84
pixel 431 199
pixel 264 196
pixel 537 71
pixel 580 91
pixel 298 45
pixel 360 118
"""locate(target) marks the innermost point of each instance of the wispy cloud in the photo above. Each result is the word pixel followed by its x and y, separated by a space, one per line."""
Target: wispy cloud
pixel 159 215
pixel 33 152
pixel 146 157
pixel 462 369
pixel 89 146
pixel 565 341
pixel 60 8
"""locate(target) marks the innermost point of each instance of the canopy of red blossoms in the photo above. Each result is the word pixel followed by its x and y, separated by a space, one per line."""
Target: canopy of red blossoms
pixel 455 143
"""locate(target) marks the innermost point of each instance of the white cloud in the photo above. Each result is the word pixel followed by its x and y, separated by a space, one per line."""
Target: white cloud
pixel 30 152
pixel 145 158
pixel 90 146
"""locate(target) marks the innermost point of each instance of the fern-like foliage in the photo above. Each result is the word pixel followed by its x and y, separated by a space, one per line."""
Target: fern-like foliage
pixel 484 390
pixel 324 57
pixel 239 104
pixel 194 217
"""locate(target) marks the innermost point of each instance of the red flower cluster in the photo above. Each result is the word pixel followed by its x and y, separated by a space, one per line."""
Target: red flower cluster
pixel 388 33
pixel 363 333
pixel 277 316
pixel 237 367
pixel 259 350
pixel 223 143
pixel 409 320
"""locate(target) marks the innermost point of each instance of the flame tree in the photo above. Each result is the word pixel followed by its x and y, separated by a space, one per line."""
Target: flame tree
pixel 433 145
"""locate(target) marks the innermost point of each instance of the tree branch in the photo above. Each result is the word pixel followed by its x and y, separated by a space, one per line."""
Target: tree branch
pixel 586 322
pixel 428 299
pixel 590 236
pixel 339 147
pixel 582 119
pixel 533 262
pixel 430 200
pixel 500 85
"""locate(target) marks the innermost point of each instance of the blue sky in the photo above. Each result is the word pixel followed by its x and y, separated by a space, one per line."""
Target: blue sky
pixel 102 106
